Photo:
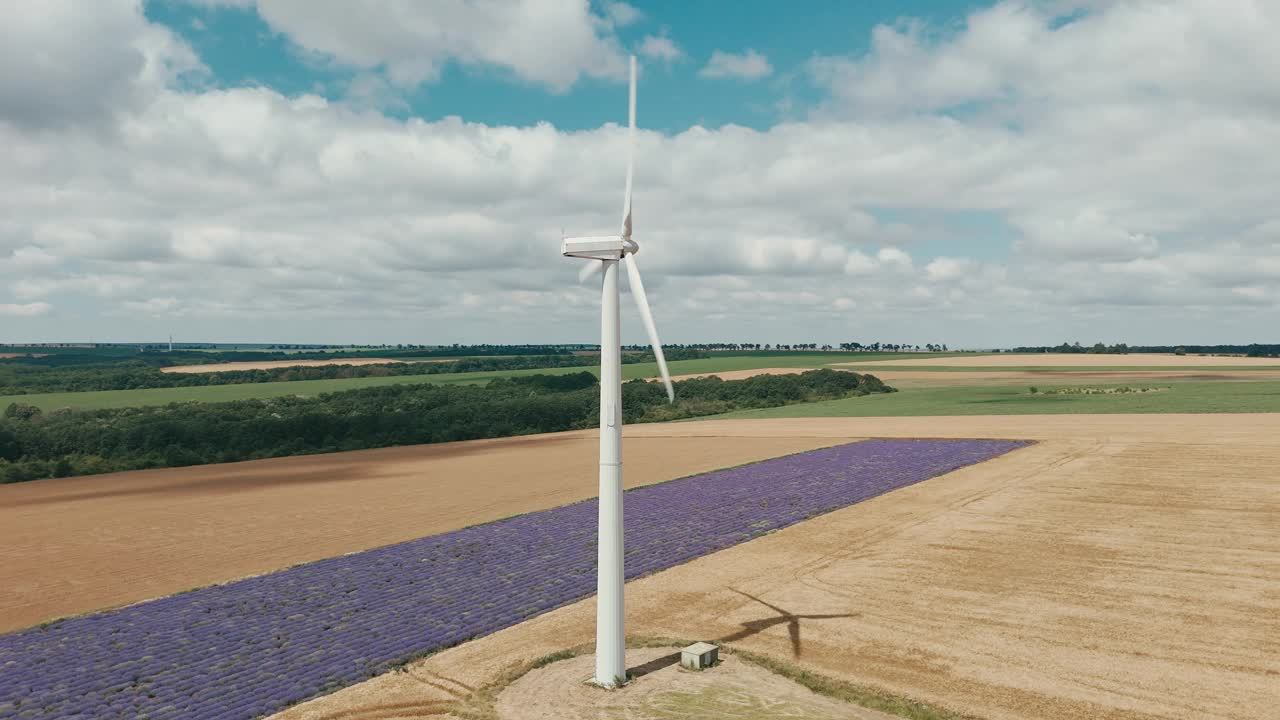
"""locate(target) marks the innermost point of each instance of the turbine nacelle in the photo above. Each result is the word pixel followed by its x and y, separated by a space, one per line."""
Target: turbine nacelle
pixel 604 247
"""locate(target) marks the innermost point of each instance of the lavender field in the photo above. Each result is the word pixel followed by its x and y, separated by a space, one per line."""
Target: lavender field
pixel 256 646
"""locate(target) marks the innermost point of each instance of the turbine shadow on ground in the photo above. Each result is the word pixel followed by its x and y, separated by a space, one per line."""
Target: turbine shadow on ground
pixel 654 665
pixel 754 627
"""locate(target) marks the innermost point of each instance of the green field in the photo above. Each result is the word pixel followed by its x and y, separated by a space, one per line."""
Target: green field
pixel 1184 397
pixel 97 400
pixel 758 361
pixel 245 391
pixel 872 367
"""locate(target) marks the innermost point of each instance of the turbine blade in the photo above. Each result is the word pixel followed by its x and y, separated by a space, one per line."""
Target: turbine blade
pixel 642 304
pixel 631 154
pixel 775 608
pixel 591 268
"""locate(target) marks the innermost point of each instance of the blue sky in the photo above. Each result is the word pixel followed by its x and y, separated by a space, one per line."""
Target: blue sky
pixel 240 48
pixel 975 174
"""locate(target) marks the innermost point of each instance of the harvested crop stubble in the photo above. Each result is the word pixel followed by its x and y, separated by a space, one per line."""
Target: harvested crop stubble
pixel 272 364
pixel 258 645
pixel 1123 568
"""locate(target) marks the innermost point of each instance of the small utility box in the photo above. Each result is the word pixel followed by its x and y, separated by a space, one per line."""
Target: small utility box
pixel 699 656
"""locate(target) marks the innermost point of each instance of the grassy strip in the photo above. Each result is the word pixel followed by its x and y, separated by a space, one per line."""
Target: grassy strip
pixel 99 400
pixel 872 366
pixel 919 401
pixel 843 691
pixel 482 704
pixel 150 397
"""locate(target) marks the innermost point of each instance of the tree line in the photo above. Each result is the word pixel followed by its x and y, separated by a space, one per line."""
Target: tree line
pixel 35 444
pixel 1251 350
pixel 23 376
pixel 210 352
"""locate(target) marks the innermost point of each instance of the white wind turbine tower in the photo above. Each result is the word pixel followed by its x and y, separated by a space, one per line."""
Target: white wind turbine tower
pixel 606 253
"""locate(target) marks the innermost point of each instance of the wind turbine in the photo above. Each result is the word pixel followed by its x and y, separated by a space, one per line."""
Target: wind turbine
pixel 606 252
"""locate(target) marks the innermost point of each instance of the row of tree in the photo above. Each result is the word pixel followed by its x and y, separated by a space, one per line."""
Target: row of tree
pixel 210 352
pixel 34 444
pixel 1251 350
pixel 24 376
pixel 160 356
pixel 892 347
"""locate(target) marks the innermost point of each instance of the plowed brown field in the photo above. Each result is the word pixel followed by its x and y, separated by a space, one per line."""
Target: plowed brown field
pixel 1126 567
pixel 73 545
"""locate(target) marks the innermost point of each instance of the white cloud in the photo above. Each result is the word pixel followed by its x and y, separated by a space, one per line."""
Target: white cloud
pixel 35 309
pixel 50 77
pixel 944 269
pixel 548 42
pixel 622 14
pixel 29 259
pixel 1017 55
pixel 98 285
pixel 1265 232
pixel 1087 234
pixel 749 65
pixel 152 306
pixel 660 47
pixel 1139 212
pixel 893 257
pixel 373 91
pixel 858 263
pixel 1256 293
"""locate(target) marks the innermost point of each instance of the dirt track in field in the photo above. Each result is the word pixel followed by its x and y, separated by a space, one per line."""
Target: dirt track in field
pixel 1078 360
pixel 74 545
pixel 273 364
pixel 1125 567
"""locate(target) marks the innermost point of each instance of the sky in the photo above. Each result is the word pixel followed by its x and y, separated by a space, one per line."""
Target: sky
pixel 980 174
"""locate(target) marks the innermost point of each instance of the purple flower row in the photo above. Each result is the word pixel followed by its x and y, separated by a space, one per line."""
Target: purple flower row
pixel 256 646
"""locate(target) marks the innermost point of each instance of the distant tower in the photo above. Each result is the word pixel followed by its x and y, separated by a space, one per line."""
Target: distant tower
pixel 170 342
